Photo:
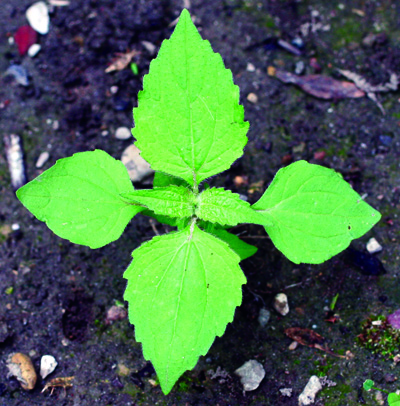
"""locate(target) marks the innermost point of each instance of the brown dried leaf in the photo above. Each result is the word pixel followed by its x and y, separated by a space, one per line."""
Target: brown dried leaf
pixel 323 87
pixel 309 338
pixel 304 336
pixel 121 61
pixel 363 84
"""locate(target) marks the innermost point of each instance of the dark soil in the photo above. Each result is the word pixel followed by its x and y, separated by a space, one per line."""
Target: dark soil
pixel 61 292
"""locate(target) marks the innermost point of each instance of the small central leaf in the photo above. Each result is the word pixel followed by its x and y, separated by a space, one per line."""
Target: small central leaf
pixel 221 206
pixel 172 201
pixel 182 291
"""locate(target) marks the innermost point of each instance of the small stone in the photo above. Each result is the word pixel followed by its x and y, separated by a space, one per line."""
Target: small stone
pixel 47 365
pixel 15 160
pixel 114 89
pixel 34 50
pixel 299 68
pixel 151 48
pixel 319 155
pixel 293 346
pixel 137 167
pixel 307 397
pixel 116 313
pixel 56 125
pixel 123 133
pixel 373 246
pixel 250 67
pixel 5 230
pixel 263 317
pixel 38 17
pixel 299 149
pixel 25 37
pixel 251 374
pixel 21 367
pixel 281 304
pixel 19 73
pixel 394 319
pixel 104 133
pixel 43 157
pixel 286 392
pixel 123 370
pixel 298 42
pixel 252 98
pixel 379 398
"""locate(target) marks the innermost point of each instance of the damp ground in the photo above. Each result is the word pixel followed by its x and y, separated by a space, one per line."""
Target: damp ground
pixel 54 295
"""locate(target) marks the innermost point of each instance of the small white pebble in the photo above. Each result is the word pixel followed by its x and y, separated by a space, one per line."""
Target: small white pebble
pixel 123 133
pixel 379 398
pixel 373 246
pixel 47 365
pixel 34 50
pixel 151 48
pixel 307 397
pixel 251 374
pixel 15 227
pixel 114 89
pixel 250 67
pixel 281 304
pixel 43 157
pixel 252 98
pixel 286 392
pixel 38 17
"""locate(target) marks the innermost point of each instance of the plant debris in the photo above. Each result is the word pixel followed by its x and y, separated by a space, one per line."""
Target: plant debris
pixel 121 61
pixel 322 87
pixel 65 382
pixel 20 366
pixel 309 338
pixel 369 89
pixel 15 160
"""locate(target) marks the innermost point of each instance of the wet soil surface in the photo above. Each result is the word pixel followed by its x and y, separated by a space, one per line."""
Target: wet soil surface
pixel 54 295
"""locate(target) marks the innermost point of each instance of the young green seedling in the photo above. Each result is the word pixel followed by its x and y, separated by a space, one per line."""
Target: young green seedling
pixel 393 398
pixel 183 287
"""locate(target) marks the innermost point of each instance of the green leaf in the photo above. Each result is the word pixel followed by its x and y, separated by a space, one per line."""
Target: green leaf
pixel 241 248
pixel 221 206
pixel 162 180
pixel 188 122
pixel 79 198
pixel 172 201
pixel 368 384
pixel 394 399
pixel 182 291
pixel 313 213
